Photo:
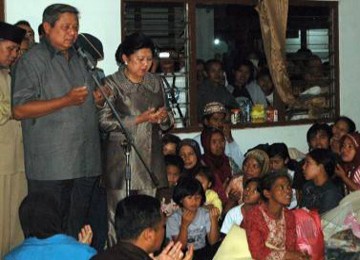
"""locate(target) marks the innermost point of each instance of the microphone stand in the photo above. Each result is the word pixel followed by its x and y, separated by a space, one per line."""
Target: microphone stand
pixel 128 143
pixel 173 98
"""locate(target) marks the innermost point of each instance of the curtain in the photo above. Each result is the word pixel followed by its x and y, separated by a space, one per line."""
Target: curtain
pixel 273 16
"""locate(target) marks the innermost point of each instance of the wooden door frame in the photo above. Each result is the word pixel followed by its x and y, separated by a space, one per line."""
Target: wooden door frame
pixel 2 10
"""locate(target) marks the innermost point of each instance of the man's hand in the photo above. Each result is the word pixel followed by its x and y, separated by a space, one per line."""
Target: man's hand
pixel 85 235
pixel 98 96
pixel 173 252
pixel 77 96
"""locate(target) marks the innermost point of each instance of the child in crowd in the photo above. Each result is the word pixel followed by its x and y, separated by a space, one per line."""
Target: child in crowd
pixel 349 170
pixel 192 224
pixel 206 178
pixel 270 227
pixel 169 144
pixel 280 160
pixel 342 126
pixel 189 151
pixel 174 167
pixel 251 198
pixel 320 192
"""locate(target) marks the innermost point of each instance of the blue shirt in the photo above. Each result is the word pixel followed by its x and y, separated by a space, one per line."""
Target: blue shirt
pixel 57 247
pixel 197 230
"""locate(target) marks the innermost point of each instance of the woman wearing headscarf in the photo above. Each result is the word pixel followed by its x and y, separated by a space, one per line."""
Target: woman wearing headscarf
pixel 349 168
pixel 189 151
pixel 213 142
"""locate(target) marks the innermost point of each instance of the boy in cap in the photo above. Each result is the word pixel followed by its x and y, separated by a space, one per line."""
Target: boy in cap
pixel 12 175
pixel 214 115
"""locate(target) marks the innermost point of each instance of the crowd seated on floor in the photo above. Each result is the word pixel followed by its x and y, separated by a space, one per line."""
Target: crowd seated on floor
pixel 284 204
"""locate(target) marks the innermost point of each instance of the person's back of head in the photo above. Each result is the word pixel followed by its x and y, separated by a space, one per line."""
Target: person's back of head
pixel 40 216
pixel 134 214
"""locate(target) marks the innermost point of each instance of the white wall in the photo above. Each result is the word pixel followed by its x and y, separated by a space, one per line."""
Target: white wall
pixel 349 38
pixel 102 18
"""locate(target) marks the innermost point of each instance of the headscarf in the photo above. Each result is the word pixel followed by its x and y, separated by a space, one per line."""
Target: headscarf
pixel 195 146
pixel 218 163
pixel 262 159
pixel 355 163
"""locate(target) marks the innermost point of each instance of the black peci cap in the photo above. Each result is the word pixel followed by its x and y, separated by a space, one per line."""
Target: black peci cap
pixel 11 33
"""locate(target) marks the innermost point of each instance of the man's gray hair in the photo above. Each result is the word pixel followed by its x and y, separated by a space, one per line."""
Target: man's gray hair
pixel 52 12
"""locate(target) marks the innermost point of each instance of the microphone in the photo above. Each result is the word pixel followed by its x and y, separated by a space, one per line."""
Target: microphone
pixel 90 49
pixel 89 64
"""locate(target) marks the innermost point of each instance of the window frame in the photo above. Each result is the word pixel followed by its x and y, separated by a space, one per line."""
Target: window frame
pixel 190 5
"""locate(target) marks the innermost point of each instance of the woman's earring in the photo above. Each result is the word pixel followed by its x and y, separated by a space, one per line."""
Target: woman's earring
pixel 125 63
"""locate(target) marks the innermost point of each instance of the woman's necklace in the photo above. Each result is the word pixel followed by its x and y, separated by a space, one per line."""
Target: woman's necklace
pixel 131 81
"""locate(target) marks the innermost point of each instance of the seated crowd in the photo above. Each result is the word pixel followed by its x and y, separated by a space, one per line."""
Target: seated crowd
pixel 212 188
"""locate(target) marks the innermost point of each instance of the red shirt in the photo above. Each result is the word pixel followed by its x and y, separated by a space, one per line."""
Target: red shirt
pixel 257 232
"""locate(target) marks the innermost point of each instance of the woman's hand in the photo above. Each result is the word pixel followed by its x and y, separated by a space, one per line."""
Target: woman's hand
pixel 85 235
pixel 160 115
pixel 153 116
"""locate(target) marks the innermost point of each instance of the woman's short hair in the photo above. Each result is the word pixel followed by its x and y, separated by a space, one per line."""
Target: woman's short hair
pixel 268 181
pixel 188 186
pixel 133 43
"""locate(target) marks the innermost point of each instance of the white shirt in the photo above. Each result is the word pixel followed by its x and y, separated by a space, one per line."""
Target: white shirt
pixel 233 217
